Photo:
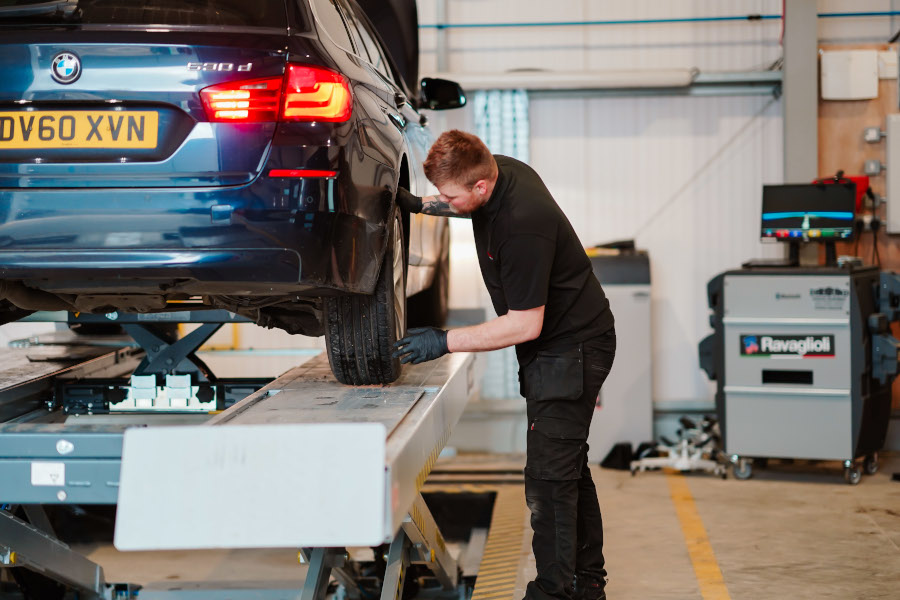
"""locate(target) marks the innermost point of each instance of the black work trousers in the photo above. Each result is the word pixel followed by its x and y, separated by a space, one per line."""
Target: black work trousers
pixel 565 511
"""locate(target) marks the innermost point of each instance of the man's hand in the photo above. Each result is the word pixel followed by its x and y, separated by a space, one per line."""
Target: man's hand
pixel 408 201
pixel 421 344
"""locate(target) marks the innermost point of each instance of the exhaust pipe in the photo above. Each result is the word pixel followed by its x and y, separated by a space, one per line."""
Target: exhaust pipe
pixel 28 298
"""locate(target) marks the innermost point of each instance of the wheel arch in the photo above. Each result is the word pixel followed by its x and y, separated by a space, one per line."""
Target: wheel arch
pixel 403 180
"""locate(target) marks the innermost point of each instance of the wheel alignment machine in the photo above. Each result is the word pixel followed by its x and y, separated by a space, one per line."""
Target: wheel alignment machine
pixel 312 464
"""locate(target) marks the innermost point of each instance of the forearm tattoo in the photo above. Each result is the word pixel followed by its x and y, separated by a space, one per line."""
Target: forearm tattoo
pixel 432 206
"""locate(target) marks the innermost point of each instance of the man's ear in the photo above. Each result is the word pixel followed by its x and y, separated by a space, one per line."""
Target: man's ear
pixel 481 186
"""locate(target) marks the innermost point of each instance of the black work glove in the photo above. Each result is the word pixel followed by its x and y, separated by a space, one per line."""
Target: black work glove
pixel 421 344
pixel 408 201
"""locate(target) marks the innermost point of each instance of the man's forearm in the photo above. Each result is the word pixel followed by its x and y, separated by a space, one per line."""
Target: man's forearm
pixel 495 334
pixel 432 206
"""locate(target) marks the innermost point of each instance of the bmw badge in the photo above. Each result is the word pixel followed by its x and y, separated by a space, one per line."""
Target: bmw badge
pixel 65 67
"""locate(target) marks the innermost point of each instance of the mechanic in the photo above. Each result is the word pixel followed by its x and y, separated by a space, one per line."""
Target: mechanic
pixel 552 308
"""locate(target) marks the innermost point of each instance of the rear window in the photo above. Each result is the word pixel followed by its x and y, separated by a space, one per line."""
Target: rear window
pixel 222 13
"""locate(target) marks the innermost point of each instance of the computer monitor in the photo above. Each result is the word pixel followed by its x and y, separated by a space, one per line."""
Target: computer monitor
pixel 809 212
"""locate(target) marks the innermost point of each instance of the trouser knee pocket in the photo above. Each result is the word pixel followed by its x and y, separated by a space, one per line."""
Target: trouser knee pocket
pixel 556 448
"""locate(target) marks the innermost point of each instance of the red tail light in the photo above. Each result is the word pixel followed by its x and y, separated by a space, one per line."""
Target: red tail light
pixel 314 94
pixel 302 173
pixel 248 101
pixel 305 93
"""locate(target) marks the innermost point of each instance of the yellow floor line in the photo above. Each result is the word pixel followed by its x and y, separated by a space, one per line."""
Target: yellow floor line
pixel 499 566
pixel 709 575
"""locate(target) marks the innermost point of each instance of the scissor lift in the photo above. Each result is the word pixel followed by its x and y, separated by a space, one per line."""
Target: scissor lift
pixel 318 466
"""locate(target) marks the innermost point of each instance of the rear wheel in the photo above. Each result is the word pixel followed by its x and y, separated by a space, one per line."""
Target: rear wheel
pixel 430 306
pixel 361 330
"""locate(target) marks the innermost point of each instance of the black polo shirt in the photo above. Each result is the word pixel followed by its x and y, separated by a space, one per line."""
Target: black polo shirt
pixel 530 256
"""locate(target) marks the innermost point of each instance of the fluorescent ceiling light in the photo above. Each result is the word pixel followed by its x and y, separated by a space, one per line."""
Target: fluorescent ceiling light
pixel 574 80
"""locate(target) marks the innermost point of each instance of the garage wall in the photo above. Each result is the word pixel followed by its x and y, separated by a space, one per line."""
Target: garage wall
pixel 681 175
pixel 710 46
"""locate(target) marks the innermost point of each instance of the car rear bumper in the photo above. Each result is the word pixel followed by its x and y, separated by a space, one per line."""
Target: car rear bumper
pixel 301 236
pixel 221 265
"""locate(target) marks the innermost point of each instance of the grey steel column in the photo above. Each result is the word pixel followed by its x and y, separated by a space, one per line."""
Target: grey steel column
pixel 801 91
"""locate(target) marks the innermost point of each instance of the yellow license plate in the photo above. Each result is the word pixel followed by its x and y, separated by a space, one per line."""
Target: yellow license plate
pixel 47 129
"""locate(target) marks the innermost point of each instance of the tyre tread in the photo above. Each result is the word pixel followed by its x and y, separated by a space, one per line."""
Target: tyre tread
pixel 360 332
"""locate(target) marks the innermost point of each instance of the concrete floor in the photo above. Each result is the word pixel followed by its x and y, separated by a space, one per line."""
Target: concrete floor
pixel 793 531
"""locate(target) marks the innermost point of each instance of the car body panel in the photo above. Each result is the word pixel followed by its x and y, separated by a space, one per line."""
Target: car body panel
pixel 397 21
pixel 199 213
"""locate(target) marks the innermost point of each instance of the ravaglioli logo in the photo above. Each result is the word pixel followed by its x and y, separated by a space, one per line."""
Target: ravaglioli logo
pixel 788 346
pixel 65 67
pixel 783 296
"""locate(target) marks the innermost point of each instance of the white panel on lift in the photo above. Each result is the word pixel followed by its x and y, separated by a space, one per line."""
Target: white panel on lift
pixel 290 486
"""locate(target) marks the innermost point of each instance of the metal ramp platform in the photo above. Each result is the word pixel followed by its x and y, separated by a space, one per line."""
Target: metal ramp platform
pixel 330 465
pixel 312 464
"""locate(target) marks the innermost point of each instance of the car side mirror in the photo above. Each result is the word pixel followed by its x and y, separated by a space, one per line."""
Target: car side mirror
pixel 441 94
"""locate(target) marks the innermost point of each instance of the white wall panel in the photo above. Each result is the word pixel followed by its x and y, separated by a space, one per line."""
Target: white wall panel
pixel 856 29
pixel 683 176
pixel 716 46
pixel 737 45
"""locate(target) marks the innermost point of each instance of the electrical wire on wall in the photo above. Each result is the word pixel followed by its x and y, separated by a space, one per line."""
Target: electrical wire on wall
pixel 875 226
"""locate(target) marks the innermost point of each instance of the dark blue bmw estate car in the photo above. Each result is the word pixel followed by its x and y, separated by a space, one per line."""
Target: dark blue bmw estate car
pixel 221 154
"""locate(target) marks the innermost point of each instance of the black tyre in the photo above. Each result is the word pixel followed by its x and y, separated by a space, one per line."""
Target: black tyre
pixel 361 330
pixel 430 306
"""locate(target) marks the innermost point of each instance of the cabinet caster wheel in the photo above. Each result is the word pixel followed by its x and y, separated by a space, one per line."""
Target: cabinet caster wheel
pixel 870 464
pixel 743 469
pixel 852 474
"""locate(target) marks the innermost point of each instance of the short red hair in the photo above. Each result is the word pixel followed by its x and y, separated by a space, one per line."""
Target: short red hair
pixel 461 158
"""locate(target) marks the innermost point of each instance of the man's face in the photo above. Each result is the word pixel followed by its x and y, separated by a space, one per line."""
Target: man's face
pixel 462 199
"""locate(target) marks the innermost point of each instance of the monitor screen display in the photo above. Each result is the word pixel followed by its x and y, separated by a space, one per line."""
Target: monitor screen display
pixel 808 212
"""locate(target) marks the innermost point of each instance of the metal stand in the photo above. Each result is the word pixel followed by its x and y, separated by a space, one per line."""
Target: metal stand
pixel 164 356
pixel 39 551
pixel 696 449
pixel 173 357
pixel 830 254
pixel 419 541
pixel 397 566
pixel 169 367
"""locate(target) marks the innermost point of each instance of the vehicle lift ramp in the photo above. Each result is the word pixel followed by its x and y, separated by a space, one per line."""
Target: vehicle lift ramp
pixel 314 465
